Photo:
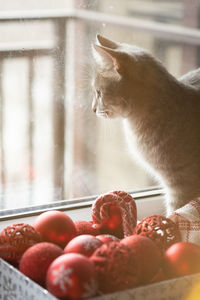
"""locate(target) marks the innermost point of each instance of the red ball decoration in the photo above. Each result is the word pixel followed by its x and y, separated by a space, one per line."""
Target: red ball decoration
pixel 182 258
pixel 160 276
pixel 55 227
pixel 72 276
pixel 117 267
pixel 15 239
pixel 115 213
pixel 163 231
pixel 84 244
pixel 86 227
pixel 106 238
pixel 36 260
pixel 148 255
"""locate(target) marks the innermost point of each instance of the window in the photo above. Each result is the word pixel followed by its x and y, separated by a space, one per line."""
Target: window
pixel 52 147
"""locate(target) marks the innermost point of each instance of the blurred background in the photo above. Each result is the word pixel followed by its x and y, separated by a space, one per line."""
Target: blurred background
pixel 52 146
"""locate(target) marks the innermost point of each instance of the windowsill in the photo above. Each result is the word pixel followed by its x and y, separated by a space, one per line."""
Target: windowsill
pixel 149 202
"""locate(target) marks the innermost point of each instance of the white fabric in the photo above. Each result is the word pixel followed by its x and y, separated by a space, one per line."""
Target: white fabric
pixel 188 220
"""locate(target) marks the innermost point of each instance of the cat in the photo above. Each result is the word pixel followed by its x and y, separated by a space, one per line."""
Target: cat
pixel 161 115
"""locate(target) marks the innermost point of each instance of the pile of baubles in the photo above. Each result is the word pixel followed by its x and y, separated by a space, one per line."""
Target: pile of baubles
pixel 111 252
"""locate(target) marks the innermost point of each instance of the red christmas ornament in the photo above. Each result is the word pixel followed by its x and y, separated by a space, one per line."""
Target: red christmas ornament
pixel 148 255
pixel 115 213
pixel 163 231
pixel 117 267
pixel 182 258
pixel 36 260
pixel 72 276
pixel 86 227
pixel 160 276
pixel 106 238
pixel 15 239
pixel 55 227
pixel 84 244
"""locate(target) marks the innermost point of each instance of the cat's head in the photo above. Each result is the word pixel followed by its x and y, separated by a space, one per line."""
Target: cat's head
pixel 118 77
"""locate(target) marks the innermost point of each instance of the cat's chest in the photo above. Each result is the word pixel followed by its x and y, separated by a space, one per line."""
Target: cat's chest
pixel 145 146
pixel 141 141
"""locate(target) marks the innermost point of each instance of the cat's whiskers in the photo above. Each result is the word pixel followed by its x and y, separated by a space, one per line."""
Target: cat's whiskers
pixel 101 114
pixel 105 113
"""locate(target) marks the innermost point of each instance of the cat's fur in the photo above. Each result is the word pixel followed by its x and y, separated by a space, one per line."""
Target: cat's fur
pixel 161 114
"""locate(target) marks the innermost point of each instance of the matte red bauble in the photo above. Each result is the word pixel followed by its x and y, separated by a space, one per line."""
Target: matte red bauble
pixel 160 276
pixel 36 260
pixel 15 239
pixel 86 227
pixel 106 238
pixel 72 276
pixel 84 244
pixel 55 227
pixel 181 259
pixel 148 255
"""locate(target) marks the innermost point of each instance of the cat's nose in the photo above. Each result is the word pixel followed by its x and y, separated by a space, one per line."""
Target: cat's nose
pixel 94 109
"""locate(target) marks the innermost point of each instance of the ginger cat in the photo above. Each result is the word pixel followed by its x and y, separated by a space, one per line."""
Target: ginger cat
pixel 161 115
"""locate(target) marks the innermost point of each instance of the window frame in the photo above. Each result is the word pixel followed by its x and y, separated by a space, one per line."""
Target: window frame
pixel 148 201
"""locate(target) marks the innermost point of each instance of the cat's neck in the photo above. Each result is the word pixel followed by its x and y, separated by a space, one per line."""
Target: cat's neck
pixel 162 94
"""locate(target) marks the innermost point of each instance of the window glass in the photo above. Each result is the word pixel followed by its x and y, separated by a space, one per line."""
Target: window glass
pixel 52 146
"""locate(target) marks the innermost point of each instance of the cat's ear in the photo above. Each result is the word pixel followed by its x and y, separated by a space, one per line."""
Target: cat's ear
pixel 106 42
pixel 112 58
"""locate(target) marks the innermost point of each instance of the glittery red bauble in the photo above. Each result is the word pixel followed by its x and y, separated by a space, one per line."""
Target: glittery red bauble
pixel 117 267
pixel 163 231
pixel 115 213
pixel 182 258
pixel 36 260
pixel 148 255
pixel 86 227
pixel 106 238
pixel 15 239
pixel 84 244
pixel 55 227
pixel 72 276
